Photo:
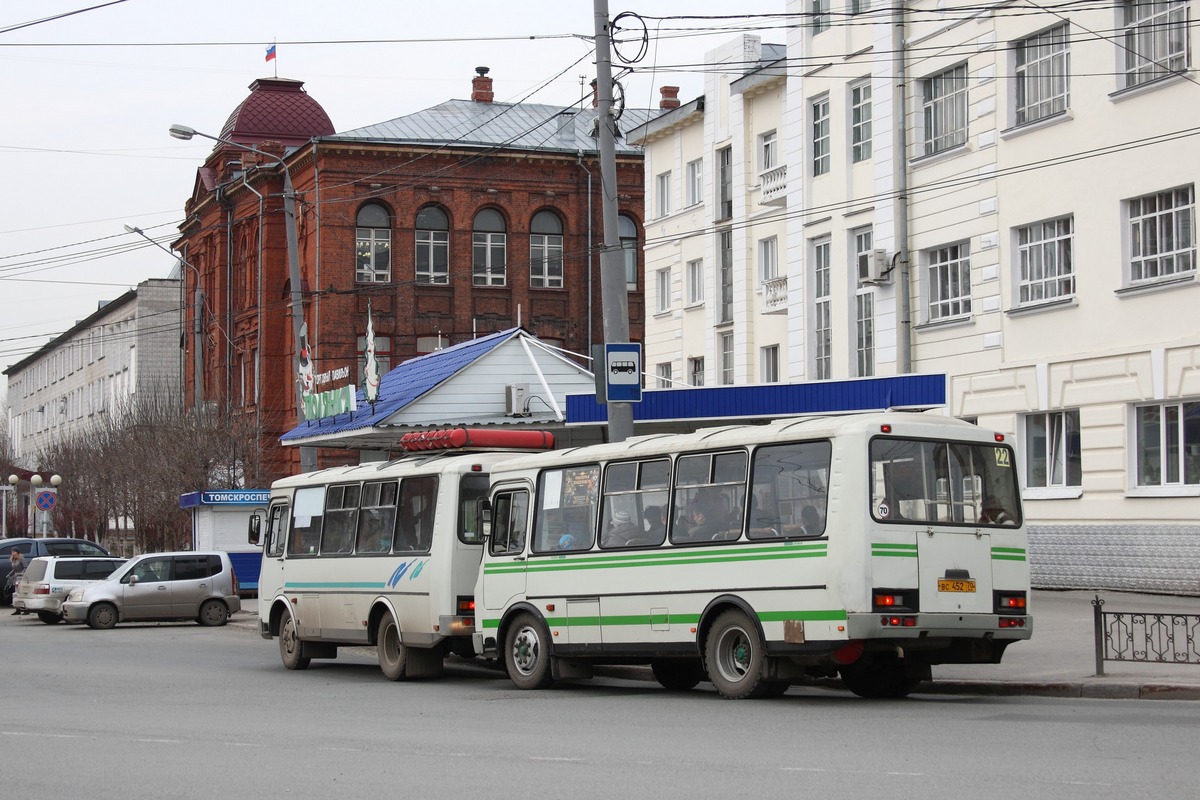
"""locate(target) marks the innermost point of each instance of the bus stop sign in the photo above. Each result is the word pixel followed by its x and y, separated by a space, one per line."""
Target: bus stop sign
pixel 623 372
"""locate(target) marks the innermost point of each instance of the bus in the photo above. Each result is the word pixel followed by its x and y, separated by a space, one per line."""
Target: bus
pixel 869 546
pixel 382 554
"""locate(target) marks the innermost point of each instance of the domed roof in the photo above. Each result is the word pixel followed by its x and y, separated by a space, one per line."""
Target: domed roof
pixel 278 109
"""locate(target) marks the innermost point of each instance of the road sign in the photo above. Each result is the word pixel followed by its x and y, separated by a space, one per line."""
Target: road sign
pixel 623 372
pixel 46 500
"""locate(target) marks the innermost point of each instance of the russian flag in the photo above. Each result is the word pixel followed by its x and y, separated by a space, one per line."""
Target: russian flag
pixel 271 53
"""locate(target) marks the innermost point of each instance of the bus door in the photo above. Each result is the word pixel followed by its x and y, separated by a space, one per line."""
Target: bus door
pixel 504 567
pixel 270 579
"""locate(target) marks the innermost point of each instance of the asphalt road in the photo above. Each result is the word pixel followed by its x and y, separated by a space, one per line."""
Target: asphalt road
pixel 180 711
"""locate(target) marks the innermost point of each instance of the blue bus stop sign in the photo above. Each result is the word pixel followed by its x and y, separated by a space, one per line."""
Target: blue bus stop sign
pixel 623 372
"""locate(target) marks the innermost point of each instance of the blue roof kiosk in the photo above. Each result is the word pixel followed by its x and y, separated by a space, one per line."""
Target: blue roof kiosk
pixel 220 521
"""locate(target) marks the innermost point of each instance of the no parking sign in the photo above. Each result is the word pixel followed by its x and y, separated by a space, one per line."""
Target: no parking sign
pixel 46 500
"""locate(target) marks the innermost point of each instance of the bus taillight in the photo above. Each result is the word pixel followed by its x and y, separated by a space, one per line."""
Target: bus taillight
pixel 466 606
pixel 891 600
pixel 1010 602
pixel 1012 622
pixel 898 622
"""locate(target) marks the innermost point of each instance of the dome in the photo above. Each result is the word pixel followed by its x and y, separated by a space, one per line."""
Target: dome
pixel 278 109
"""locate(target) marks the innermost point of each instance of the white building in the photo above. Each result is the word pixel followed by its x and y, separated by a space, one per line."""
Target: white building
pixel 1029 231
pixel 97 368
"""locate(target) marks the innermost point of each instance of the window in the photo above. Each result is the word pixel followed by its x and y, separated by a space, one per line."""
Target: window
pixel 695 182
pixel 944 110
pixel 727 359
pixel 769 364
pixel 725 183
pixel 662 290
pixel 1168 444
pixel 383 356
pixel 789 480
pixel 710 495
pixel 546 251
pixel 663 373
pixel 1156 39
pixel 510 522
pixel 949 282
pixel 662 195
pixel 820 136
pixel 433 246
pixel 768 151
pixel 696 371
pixel 627 231
pixel 376 518
pixel 822 312
pixel 1162 240
pixel 373 248
pixel 635 503
pixel 862 241
pixel 768 259
pixel 341 519
pixel 864 326
pixel 860 6
pixel 860 121
pixel 489 246
pixel 567 517
pixel 725 282
pixel 1052 453
pixel 1043 75
pixel 415 514
pixel 695 282
pixel 1047 267
pixel 820 16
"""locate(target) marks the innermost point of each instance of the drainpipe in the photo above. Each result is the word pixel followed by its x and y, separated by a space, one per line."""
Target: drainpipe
pixel 591 256
pixel 900 59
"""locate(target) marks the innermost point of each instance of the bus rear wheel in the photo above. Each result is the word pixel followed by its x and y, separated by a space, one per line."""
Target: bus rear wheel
pixel 393 655
pixel 677 674
pixel 736 657
pixel 882 677
pixel 290 645
pixel 527 653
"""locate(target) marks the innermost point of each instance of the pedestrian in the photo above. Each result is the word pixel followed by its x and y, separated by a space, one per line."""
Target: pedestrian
pixel 16 563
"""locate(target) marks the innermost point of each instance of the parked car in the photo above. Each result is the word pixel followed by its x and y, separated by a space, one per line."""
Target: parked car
pixel 33 548
pixel 159 587
pixel 49 579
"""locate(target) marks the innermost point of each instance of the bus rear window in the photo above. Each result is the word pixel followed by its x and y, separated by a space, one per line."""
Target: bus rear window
pixel 961 483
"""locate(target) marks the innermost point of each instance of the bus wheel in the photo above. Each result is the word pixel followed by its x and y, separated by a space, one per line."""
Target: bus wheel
pixel 735 658
pixel 527 653
pixel 677 674
pixel 393 655
pixel 883 677
pixel 289 645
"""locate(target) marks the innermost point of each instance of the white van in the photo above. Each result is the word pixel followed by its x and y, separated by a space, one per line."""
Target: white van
pixel 48 579
pixel 160 587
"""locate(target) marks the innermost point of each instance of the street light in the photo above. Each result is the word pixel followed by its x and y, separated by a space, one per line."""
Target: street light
pixel 308 455
pixel 197 337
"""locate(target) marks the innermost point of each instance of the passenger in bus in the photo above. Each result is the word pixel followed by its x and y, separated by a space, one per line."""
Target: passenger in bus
pixel 622 529
pixel 811 523
pixel 655 518
pixel 701 523
pixel 994 513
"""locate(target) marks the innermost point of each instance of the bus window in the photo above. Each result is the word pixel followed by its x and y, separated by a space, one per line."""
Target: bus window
pixel 710 492
pixel 791 483
pixel 634 503
pixel 307 514
pixel 470 489
pixel 414 524
pixel 341 519
pixel 276 531
pixel 376 518
pixel 566 519
pixel 510 520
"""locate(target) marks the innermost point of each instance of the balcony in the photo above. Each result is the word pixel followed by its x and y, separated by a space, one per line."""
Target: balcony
pixel 773 183
pixel 775 296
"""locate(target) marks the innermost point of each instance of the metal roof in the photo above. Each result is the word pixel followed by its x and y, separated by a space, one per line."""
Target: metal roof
pixel 511 126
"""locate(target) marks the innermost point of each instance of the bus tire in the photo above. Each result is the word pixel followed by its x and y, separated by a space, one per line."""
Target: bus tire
pixel 393 655
pixel 736 657
pixel 881 678
pixel 290 646
pixel 677 674
pixel 527 653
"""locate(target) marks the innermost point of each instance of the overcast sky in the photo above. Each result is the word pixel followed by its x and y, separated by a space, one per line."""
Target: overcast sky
pixel 87 100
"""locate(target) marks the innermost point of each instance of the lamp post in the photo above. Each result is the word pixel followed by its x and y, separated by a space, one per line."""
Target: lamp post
pixel 308 455
pixel 12 487
pixel 197 313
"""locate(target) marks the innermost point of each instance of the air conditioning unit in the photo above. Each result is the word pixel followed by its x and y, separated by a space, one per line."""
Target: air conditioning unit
pixel 515 398
pixel 873 266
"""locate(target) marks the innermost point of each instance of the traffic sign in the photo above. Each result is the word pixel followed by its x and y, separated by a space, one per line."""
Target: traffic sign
pixel 46 500
pixel 623 372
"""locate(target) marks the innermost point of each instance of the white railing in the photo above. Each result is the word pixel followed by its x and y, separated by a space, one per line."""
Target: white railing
pixel 773 183
pixel 774 295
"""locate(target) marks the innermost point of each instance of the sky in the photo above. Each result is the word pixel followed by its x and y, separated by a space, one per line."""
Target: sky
pixel 87 99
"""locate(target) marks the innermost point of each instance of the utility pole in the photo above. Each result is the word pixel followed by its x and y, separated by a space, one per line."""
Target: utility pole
pixel 614 300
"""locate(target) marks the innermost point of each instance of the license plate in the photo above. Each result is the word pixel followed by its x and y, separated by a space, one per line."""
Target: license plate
pixel 955 586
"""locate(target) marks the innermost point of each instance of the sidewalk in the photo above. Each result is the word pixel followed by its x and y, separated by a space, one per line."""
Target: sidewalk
pixel 1058 661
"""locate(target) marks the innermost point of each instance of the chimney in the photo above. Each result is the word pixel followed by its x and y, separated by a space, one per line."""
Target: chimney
pixel 481 86
pixel 670 97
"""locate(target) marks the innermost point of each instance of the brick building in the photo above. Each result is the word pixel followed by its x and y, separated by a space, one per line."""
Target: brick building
pixel 464 219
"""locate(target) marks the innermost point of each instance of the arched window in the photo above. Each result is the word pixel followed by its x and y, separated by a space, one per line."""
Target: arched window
pixel 373 245
pixel 488 249
pixel 627 232
pixel 433 246
pixel 546 251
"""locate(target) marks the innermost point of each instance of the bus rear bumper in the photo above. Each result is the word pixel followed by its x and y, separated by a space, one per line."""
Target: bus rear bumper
pixel 939 626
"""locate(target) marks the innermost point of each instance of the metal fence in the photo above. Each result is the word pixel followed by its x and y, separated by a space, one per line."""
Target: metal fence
pixel 1145 636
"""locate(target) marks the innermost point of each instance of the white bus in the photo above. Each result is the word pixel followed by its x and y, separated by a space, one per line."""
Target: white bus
pixel 382 554
pixel 873 546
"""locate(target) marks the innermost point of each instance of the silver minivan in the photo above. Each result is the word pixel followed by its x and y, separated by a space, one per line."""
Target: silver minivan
pixel 160 587
pixel 48 580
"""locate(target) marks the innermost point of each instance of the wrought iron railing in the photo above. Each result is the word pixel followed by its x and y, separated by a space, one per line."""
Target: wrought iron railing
pixel 1166 638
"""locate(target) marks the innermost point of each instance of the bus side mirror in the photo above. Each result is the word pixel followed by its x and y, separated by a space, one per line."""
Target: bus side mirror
pixel 484 515
pixel 254 533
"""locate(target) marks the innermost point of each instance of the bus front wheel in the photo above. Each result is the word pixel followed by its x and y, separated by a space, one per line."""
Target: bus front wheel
pixel 527 653
pixel 289 645
pixel 393 655
pixel 736 657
